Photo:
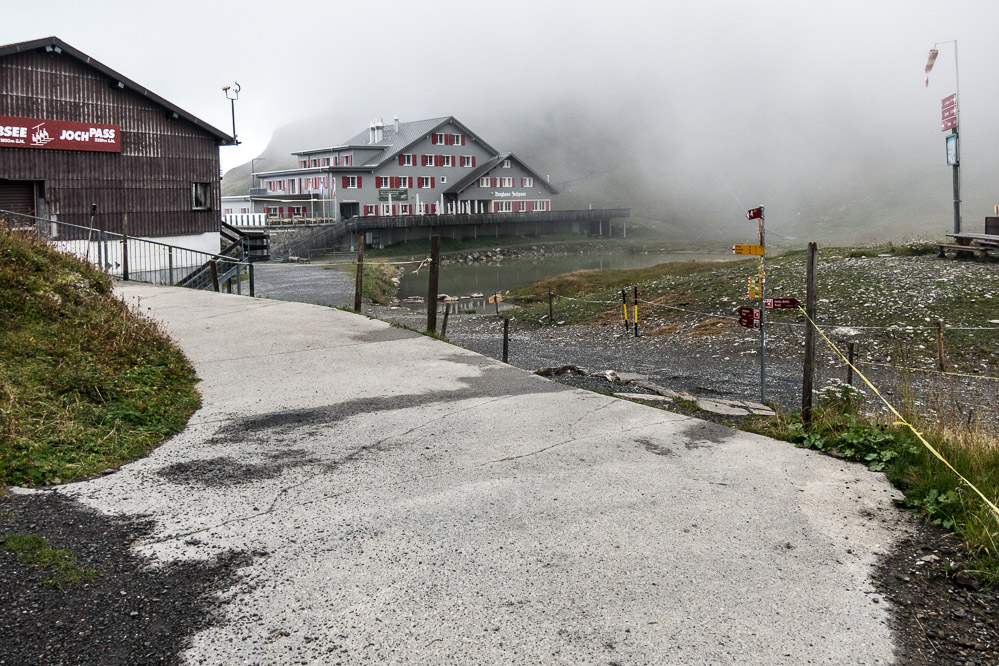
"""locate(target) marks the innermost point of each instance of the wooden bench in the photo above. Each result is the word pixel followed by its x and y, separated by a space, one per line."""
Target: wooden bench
pixel 965 250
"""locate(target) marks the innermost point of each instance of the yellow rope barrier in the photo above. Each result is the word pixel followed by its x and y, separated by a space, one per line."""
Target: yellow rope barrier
pixel 901 420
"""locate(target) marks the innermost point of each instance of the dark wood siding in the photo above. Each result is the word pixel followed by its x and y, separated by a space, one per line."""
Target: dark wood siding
pixel 150 180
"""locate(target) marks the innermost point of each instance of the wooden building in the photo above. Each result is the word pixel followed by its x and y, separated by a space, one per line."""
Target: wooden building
pixel 74 132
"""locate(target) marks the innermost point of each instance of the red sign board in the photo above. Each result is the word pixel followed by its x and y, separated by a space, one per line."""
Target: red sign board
pixel 780 303
pixel 749 312
pixel 755 213
pixel 58 135
pixel 948 101
pixel 749 322
pixel 948 123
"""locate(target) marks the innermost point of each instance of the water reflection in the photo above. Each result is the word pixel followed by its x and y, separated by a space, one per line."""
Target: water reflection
pixel 464 280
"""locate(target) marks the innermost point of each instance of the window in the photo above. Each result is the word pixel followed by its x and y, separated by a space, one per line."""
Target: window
pixel 347 160
pixel 467 161
pixel 296 211
pixel 456 138
pixel 244 211
pixel 507 164
pixel 382 181
pixel 527 182
pixel 350 182
pixel 507 182
pixel 485 181
pixel 303 163
pixel 447 160
pixel 439 139
pixel 407 160
pixel 386 209
pixel 291 186
pixel 271 211
pixel 369 209
pixel 201 196
pixel 541 205
pixel 326 161
pixel 426 182
pixel 443 179
pixel 503 206
pixel 406 209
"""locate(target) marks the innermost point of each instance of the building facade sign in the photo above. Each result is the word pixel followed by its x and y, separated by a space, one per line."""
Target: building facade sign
pixel 397 195
pixel 58 135
pixel 515 195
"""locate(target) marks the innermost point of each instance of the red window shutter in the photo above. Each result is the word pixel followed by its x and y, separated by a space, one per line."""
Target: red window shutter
pixel 530 206
pixel 433 139
pixel 433 182
pixel 305 210
pixel 401 159
pixel 473 160
pixel 345 182
pixel 358 182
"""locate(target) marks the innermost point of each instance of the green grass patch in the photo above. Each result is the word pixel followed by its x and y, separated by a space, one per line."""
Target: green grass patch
pixel 60 564
pixel 377 285
pixel 85 383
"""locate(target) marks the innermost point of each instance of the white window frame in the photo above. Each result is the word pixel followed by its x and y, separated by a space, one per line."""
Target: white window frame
pixel 457 139
pixel 424 183
pixel 466 160
pixel 486 181
pixel 506 181
pixel 507 164
pixel 541 205
pixel 406 209
pixel 351 182
pixel 504 206
pixel 440 139
pixel 407 159
pixel 201 196
pixel 447 160
pixel 443 180
pixel 528 181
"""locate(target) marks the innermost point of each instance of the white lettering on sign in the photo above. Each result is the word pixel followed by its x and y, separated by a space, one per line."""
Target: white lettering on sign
pixel 13 131
pixel 501 195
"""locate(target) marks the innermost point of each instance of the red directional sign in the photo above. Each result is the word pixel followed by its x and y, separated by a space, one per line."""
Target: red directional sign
pixel 948 111
pixel 749 322
pixel 780 303
pixel 749 312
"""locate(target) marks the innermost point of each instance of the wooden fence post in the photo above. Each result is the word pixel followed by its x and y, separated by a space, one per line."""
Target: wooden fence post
pixel 551 311
pixel 447 312
pixel 214 267
pixel 359 279
pixel 941 363
pixel 506 339
pixel 435 264
pixel 808 374
pixel 850 348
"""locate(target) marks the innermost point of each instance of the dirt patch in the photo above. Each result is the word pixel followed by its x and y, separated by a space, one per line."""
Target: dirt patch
pixel 133 612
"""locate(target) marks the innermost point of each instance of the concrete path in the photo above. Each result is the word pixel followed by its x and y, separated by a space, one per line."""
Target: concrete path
pixel 410 502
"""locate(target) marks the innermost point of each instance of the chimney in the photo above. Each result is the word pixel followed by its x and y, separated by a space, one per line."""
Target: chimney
pixel 379 130
pixel 371 132
pixel 397 124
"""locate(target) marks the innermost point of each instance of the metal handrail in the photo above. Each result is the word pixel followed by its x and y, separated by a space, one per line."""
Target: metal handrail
pixel 137 259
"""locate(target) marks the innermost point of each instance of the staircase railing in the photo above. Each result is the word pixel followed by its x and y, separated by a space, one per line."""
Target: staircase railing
pixel 139 259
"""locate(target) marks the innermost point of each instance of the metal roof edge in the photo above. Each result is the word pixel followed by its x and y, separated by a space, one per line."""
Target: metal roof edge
pixel 24 47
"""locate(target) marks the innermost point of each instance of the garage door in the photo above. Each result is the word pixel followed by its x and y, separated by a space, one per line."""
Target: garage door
pixel 17 196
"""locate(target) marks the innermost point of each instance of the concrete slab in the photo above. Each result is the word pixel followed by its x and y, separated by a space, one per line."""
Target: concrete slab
pixel 408 501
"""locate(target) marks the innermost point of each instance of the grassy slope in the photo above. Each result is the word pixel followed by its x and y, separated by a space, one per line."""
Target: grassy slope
pixel 84 383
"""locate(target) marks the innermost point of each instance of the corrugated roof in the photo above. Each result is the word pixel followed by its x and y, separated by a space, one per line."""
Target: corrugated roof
pixel 22 47
pixel 393 142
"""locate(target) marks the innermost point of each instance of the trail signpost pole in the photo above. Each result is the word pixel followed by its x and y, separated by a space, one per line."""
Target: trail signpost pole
pixel 758 289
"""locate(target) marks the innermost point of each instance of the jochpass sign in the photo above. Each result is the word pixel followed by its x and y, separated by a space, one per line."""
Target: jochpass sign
pixel 58 135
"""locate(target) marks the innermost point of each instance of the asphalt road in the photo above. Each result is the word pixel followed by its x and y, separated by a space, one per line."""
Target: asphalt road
pixel 408 501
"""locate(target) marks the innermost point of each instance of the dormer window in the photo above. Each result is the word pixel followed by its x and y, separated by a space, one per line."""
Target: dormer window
pixel 507 164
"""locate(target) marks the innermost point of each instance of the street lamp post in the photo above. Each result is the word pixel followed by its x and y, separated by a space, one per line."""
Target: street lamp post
pixel 232 102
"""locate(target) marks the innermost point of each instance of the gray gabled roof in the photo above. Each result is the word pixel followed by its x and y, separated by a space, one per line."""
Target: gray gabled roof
pixel 473 176
pixel 56 43
pixel 393 142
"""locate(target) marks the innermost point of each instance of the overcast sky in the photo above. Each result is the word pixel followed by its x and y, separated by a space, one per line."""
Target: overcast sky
pixel 727 85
